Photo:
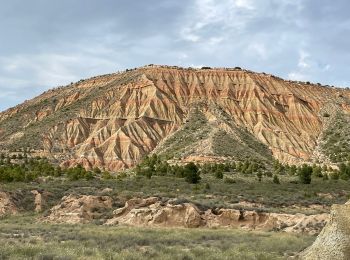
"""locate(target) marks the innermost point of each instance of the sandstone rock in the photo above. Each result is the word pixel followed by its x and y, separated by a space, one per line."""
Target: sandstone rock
pixel 152 212
pixel 223 218
pixel 298 223
pixel 7 206
pixel 79 209
pixel 106 190
pixel 333 243
pixel 40 200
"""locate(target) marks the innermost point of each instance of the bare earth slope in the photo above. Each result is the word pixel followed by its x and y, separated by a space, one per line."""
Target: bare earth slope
pixel 111 121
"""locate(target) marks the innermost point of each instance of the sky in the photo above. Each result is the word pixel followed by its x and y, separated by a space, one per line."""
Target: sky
pixel 44 44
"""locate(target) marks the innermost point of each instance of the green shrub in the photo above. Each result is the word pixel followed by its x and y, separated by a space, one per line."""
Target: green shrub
pixel 305 174
pixel 219 174
pixel 276 180
pixel 192 173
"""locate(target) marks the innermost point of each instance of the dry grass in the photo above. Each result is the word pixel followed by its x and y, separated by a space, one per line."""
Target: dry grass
pixel 22 238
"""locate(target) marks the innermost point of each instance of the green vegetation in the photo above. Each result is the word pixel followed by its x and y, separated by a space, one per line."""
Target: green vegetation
pixel 22 238
pixel 305 173
pixel 27 170
pixel 336 139
pixel 197 128
pixel 154 165
pixel 211 185
pixel 182 141
pixel 251 149
pixel 201 184
pixel 276 180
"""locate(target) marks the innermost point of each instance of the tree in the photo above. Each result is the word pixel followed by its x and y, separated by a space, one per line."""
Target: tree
pixel 344 171
pixel 191 173
pixel 106 175
pixel 305 173
pixel 317 171
pixel 276 180
pixel 245 166
pixel 292 170
pixel 219 174
pixel 97 170
pixel 148 173
pixel 259 175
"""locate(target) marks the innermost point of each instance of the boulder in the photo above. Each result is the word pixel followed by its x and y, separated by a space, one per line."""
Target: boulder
pixel 333 243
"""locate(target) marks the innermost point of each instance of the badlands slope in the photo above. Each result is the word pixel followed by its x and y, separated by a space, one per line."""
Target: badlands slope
pixel 112 121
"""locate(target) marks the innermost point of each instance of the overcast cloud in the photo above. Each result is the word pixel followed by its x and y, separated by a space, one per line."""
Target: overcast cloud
pixel 45 44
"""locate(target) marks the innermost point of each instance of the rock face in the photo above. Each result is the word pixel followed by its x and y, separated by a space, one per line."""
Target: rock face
pixel 111 121
pixel 154 212
pixel 7 206
pixel 79 209
pixel 40 198
pixel 333 243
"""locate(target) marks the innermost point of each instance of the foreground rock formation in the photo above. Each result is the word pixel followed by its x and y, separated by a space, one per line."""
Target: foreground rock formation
pixel 111 121
pixel 7 205
pixel 333 243
pixel 154 212
pixel 79 209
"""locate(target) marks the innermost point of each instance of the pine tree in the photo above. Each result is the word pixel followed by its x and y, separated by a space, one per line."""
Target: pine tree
pixel 276 180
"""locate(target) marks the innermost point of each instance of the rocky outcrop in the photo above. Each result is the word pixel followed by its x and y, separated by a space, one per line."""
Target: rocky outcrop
pixel 112 121
pixel 292 223
pixel 333 243
pixel 79 209
pixel 154 212
pixel 7 206
pixel 40 200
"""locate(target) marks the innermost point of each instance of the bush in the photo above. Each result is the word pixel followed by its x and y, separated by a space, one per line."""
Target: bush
pixel 106 176
pixel 191 173
pixel 305 173
pixel 276 180
pixel 219 174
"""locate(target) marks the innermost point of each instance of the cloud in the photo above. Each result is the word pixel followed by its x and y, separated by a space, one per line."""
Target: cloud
pixel 304 67
pixel 50 43
pixel 216 16
pixel 258 49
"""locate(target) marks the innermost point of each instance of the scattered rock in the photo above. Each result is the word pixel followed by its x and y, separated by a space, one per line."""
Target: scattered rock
pixel 106 190
pixel 325 195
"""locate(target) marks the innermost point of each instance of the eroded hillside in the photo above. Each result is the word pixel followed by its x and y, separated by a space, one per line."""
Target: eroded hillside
pixel 112 121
